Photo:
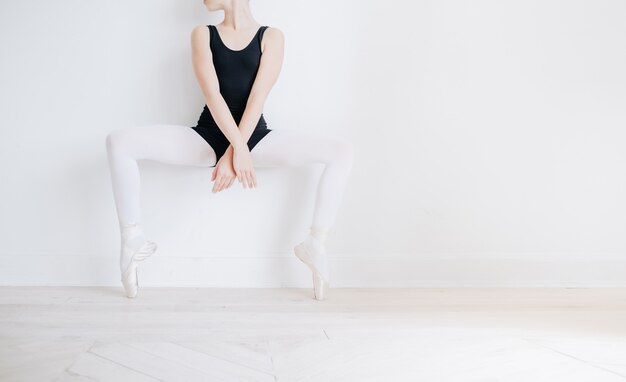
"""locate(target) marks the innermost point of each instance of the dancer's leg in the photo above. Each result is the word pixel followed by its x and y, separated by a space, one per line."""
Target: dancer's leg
pixel 171 144
pixel 287 147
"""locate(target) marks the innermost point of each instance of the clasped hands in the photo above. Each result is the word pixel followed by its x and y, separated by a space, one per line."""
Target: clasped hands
pixel 235 163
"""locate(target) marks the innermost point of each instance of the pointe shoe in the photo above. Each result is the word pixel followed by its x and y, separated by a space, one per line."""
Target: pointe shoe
pixel 320 284
pixel 130 280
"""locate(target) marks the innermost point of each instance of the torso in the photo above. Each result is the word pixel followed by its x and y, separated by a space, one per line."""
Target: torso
pixel 236 71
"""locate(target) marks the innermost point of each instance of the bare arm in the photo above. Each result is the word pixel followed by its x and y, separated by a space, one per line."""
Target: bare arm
pixel 269 69
pixel 202 60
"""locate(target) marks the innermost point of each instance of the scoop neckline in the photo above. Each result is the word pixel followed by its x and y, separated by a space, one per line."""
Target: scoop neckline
pixel 233 50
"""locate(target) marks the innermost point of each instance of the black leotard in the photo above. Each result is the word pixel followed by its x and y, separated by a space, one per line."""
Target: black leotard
pixel 236 71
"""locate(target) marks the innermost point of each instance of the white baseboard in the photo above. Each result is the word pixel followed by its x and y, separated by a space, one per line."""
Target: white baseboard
pixel 390 270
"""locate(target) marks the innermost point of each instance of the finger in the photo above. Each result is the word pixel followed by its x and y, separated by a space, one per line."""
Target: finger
pixel 230 183
pixel 220 185
pixel 225 183
pixel 243 179
pixel 249 179
pixel 253 178
pixel 214 187
pixel 248 182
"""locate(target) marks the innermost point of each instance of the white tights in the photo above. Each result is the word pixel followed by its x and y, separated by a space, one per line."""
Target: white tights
pixel 178 144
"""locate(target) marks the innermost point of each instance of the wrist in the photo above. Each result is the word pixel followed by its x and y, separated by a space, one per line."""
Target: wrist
pixel 238 146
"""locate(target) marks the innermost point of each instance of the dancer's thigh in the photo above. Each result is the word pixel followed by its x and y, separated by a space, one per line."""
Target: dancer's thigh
pixel 172 144
pixel 290 147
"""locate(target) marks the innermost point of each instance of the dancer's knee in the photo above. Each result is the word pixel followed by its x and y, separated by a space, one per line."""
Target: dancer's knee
pixel 110 141
pixel 115 140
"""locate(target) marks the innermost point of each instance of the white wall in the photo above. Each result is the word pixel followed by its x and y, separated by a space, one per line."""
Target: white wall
pixel 489 142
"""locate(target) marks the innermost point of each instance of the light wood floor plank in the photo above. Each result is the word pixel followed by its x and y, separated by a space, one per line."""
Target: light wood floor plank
pixel 422 334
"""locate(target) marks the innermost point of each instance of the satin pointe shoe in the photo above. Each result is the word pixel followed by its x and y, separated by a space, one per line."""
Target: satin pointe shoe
pixel 130 279
pixel 320 284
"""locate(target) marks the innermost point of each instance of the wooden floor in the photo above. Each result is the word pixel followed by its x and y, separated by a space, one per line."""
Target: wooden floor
pixel 189 334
